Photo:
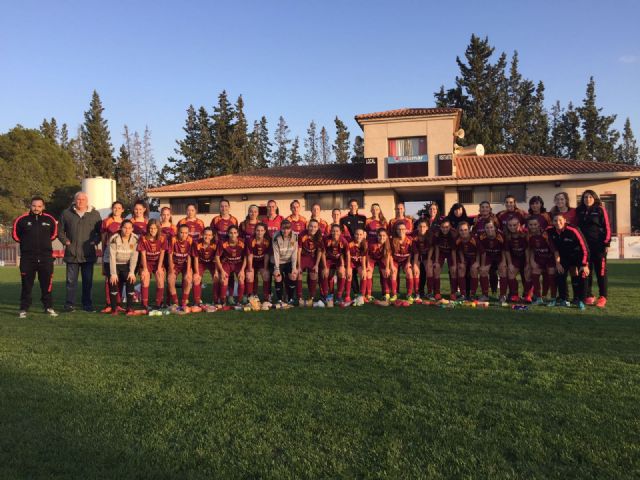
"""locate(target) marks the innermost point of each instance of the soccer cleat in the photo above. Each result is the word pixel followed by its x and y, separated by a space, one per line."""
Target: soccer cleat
pixel 417 299
pixel 231 301
pixel 602 302
pixel 347 299
pixel 359 301
pixel 514 298
pixel 437 297
pixel 579 304
pixel 22 314
pixel 528 299
pixel 106 309
pixel 538 301
pixel 410 300
pixel 318 304
pixel 119 309
pixel 590 300
pixel 51 312
pixel 386 298
pixel 393 299
pixel 453 297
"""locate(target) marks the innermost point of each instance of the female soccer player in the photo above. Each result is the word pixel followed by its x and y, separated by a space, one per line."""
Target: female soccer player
pixel 541 261
pixel 401 250
pixel 379 255
pixel 285 262
pixel 485 215
pixel 336 255
pixel 491 250
pixel 310 255
pixel 231 259
pixel 562 205
pixel 357 265
pixel 195 225
pixel 316 213
pixel 433 216
pixel 258 254
pixel 457 215
pixel 204 260
pixel 510 211
pixel 167 228
pixel 593 222
pixel 298 222
pixel 336 216
pixel 537 211
pixel 123 257
pixel 180 263
pixel 516 256
pixel 468 261
pixel 110 227
pixel 221 223
pixel 374 223
pixel 248 225
pixel 423 259
pixel 140 217
pixel 273 218
pixel 444 241
pixel 152 247
pixel 400 218
pixel 572 258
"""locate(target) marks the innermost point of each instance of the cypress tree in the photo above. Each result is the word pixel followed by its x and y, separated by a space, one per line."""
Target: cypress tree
pixel 599 138
pixel 50 129
pixel 627 150
pixel 294 154
pixel 64 137
pixel 96 140
pixel 325 147
pixel 260 144
pixel 203 162
pixel 222 129
pixel 555 135
pixel 281 141
pixel 124 177
pixel 311 156
pixel 341 144
pixel 539 123
pixel 183 168
pixel 571 139
pixel 240 160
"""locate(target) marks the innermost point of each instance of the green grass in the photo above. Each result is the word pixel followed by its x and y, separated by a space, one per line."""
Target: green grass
pixel 344 393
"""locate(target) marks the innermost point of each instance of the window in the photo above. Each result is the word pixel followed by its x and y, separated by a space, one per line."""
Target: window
pixel 465 196
pixel 203 204
pixel 410 149
pixel 331 200
pixel 492 193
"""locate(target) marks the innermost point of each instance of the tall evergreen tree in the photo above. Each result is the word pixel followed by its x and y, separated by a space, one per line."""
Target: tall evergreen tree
pixel 96 140
pixel 599 137
pixel 555 133
pixel 294 154
pixel 570 137
pixel 240 149
pixel 311 155
pixel 341 144
pixel 148 159
pixel 282 142
pixel 184 167
pixel 64 136
pixel 135 157
pixel 627 151
pixel 325 146
pixel 79 156
pixel 49 128
pixel 124 177
pixel 222 128
pixel 204 162
pixel 260 144
pixel 539 124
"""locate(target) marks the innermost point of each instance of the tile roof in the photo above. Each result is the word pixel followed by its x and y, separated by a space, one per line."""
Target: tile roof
pixel 503 165
pixel 407 112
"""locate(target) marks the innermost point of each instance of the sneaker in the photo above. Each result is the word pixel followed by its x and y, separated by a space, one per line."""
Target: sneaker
pixel 319 304
pixel 502 299
pixel 51 312
pixel 514 298
pixel 410 300
pixel 106 309
pixel 537 301
pixel 393 299
pixel 528 299
pixel 386 297
pixel 22 314
pixel 579 304
pixel 417 299
pixel 119 309
pixel 602 302
pixel 347 299
pixel 231 301
pixel 243 300
pixel 437 297
pixel 69 308
pixel 590 300
pixel 359 301
pixel 431 297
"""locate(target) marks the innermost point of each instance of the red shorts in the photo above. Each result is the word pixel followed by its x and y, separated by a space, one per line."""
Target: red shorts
pixel 230 268
pixel 445 256
pixel 400 265
pixel 151 266
pixel 206 267
pixel 333 264
pixel 356 263
pixel 306 263
pixel 180 269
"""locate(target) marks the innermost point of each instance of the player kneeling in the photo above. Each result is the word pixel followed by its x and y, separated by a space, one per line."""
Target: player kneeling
pixel 231 260
pixel 179 252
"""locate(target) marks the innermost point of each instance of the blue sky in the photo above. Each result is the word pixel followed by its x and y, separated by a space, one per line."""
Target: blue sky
pixel 303 60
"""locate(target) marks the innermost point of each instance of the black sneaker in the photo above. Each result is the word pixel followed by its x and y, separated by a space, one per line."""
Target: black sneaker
pixel 69 308
pixel 89 309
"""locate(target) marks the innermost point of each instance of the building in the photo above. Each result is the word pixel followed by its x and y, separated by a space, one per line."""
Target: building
pixel 411 155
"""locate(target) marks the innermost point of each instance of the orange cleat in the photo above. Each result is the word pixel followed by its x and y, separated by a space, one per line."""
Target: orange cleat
pixel 602 302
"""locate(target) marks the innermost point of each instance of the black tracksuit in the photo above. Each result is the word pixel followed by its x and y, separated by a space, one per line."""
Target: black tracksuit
pixel 594 224
pixel 570 245
pixel 353 223
pixel 35 234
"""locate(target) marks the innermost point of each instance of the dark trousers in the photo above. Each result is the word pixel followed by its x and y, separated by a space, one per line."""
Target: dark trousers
pixel 285 270
pixel 29 268
pixel 578 282
pixel 597 266
pixel 86 270
pixel 123 273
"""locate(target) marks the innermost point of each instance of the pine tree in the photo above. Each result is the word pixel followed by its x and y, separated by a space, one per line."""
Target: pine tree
pixel 515 114
pixel 294 154
pixel 325 146
pixel 222 129
pixel 599 138
pixel 341 144
pixel 203 156
pixel 260 144
pixel 50 129
pixel 184 167
pixel 135 156
pixel 148 160
pixel 311 155
pixel 570 137
pixel 555 135
pixel 123 176
pixel 627 150
pixel 79 156
pixel 96 140
pixel 539 124
pixel 240 153
pixel 281 141
pixel 358 150
pixel 64 137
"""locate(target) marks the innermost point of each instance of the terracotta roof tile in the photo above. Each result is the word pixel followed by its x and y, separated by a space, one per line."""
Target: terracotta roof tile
pixel 407 112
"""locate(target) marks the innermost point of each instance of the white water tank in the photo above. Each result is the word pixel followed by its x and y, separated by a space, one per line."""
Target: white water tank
pixel 101 193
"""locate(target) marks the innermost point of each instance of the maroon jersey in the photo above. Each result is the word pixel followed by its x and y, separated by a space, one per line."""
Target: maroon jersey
pixel 445 243
pixel 110 227
pixel 492 247
pixel 421 246
pixel 516 245
pixel 169 231
pixel 335 249
pixel 371 228
pixel 374 252
pixel 258 248
pixel 401 249
pixel 221 225
pixel 309 247
pixel 139 228
pixel 468 249
pixel 299 225
pixel 180 251
pixel 196 227
pixel 355 252
pixel 540 246
pixel 152 248
pixel 394 222
pixel 543 219
pixel 247 230
pixel 233 254
pixel 481 222
pixel 273 224
pixel 205 253
pixel 323 226
pixel 505 215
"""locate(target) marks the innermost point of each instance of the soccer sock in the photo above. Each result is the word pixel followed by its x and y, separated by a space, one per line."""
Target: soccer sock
pixel 291 289
pixel 546 281
pixel 463 285
pixel 474 286
pixel 528 286
pixel 493 280
pixel 299 286
pixel 312 284
pixel 197 293
pixel 324 286
pixel 364 282
pixel 266 289
pixel 394 285
pixel 331 285
pixel 416 287
pixel 348 287
pixel 453 283
pixel 429 284
pixel 145 295
pixel 409 283
pixel 341 282
pixel 216 291
pixel 279 290
pixel 553 289
pixel 504 284
pixel 230 286
pixel 107 291
pixel 113 297
pixel 159 295
pixel 436 285
pixel 484 286
pixel 513 287
pixel 223 291
pixel 185 299
pixel 535 280
pixel 248 287
pixel 174 298
pixel 240 290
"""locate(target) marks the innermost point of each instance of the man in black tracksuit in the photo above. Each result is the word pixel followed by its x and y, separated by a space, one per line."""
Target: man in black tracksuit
pixel 353 221
pixel 35 231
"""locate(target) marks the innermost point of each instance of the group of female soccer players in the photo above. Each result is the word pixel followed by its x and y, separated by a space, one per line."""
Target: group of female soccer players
pixel 532 249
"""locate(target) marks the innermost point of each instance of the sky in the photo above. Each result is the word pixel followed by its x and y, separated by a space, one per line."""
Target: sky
pixel 306 60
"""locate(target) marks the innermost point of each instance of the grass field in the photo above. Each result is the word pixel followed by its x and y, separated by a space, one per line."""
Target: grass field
pixel 343 393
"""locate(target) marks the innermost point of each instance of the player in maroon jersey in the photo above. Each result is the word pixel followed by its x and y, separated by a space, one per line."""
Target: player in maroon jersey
pixel 231 259
pixel 400 218
pixel 379 255
pixel 336 252
pixel 298 225
pixel 541 261
pixel 179 251
pixel 310 255
pixel 167 228
pixel 485 215
pixel 401 252
pixel 468 261
pixel 336 216
pixel 374 223
pixel 444 242
pixel 273 219
pixel 204 260
pixel 537 211
pixel 196 225
pixel 562 205
pixel 221 223
pixel 152 247
pixel 109 227
pixel 357 265
pixel 491 250
pixel 258 254
pixel 423 259
pixel 323 225
pixel 248 225
pixel 139 217
pixel 510 211
pixel 516 255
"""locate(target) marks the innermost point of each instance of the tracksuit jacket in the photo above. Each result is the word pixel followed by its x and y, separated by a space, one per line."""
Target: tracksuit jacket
pixel 35 234
pixel 570 245
pixel 594 224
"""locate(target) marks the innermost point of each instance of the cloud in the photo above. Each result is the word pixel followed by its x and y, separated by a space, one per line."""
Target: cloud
pixel 629 59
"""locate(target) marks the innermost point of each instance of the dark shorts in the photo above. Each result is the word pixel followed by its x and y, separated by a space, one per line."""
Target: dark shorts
pixel 306 263
pixel 206 267
pixel 180 269
pixel 445 256
pixel 333 264
pixel 230 268
pixel 258 264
